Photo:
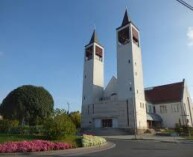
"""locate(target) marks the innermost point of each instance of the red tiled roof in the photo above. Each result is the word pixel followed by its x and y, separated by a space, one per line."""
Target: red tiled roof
pixel 166 93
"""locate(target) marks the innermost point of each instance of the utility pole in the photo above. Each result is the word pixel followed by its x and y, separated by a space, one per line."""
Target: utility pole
pixel 68 107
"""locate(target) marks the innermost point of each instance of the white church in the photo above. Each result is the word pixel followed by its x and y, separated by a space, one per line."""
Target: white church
pixel 124 103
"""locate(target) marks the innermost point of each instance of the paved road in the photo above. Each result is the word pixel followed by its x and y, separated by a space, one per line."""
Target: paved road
pixel 131 148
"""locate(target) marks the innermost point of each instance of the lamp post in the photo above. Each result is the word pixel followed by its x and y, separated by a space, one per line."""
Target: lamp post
pixel 68 107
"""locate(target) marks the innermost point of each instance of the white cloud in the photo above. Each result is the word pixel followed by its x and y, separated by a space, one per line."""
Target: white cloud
pixel 190 36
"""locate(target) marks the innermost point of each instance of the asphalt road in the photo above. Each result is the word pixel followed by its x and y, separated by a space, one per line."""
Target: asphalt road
pixel 131 148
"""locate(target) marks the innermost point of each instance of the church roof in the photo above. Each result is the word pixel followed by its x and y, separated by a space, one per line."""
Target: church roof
pixel 126 19
pixel 165 93
pixel 94 38
pixel 111 88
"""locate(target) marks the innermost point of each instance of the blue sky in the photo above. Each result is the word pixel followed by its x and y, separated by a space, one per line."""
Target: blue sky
pixel 42 43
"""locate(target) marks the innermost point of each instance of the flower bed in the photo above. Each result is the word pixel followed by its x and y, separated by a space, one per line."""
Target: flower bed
pixel 90 140
pixel 32 146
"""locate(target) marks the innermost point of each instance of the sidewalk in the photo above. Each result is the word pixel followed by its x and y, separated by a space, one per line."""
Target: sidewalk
pixel 149 137
pixel 67 152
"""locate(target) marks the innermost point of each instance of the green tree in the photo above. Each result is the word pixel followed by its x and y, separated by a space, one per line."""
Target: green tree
pixel 75 117
pixel 28 104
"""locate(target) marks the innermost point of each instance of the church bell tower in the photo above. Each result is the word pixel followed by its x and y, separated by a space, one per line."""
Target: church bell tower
pixel 93 78
pixel 130 73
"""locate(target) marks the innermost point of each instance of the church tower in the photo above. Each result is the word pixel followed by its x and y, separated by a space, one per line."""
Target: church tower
pixel 130 85
pixel 93 78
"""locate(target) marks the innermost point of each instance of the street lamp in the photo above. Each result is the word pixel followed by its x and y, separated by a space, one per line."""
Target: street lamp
pixel 68 107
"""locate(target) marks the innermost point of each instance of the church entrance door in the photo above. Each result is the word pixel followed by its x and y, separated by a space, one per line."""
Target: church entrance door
pixel 107 123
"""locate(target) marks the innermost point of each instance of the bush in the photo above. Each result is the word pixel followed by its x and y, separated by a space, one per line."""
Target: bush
pixel 89 140
pixel 59 127
pixel 183 130
pixel 7 125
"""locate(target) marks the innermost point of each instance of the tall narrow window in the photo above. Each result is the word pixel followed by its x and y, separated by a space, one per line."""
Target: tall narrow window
pixel 135 36
pixel 154 110
pixel 89 53
pixel 123 36
pixel 99 53
pixel 93 108
pixel 88 109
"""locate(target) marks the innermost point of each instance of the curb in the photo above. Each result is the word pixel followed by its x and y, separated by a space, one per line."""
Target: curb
pixel 67 152
pixel 157 140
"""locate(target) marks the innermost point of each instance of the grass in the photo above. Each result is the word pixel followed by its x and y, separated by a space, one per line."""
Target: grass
pixel 74 140
pixel 189 137
pixel 17 137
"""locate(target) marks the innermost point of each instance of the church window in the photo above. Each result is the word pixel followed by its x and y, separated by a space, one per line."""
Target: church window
pixel 130 88
pixel 99 53
pixel 84 76
pixel 89 53
pixel 129 61
pixel 93 108
pixel 135 36
pixel 84 97
pixel 154 111
pixel 175 107
pixel 163 109
pixel 123 36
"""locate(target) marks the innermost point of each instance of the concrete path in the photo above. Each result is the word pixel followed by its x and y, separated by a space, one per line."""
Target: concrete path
pixel 147 137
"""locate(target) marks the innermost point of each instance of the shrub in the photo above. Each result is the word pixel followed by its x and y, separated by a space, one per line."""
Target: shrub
pixel 183 130
pixel 7 125
pixel 59 127
pixel 32 146
pixel 89 140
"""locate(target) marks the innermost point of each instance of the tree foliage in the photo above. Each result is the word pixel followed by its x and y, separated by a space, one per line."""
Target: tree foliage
pixel 75 117
pixel 59 126
pixel 29 104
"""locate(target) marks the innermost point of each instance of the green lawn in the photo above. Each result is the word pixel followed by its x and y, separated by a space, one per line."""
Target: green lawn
pixel 15 137
pixel 74 140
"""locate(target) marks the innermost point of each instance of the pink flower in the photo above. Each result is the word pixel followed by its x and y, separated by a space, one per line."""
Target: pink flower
pixel 31 146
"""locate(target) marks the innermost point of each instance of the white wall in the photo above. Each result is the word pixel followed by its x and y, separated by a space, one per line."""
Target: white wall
pixel 93 78
pixel 170 117
pixel 130 75
pixel 188 106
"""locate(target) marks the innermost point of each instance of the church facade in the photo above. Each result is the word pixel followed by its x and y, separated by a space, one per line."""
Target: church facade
pixel 124 103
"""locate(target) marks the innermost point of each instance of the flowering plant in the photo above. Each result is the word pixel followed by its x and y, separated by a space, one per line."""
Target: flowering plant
pixel 90 140
pixel 32 146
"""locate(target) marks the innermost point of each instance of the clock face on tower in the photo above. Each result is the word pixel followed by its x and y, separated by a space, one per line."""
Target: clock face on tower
pixel 123 36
